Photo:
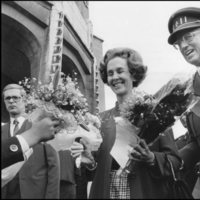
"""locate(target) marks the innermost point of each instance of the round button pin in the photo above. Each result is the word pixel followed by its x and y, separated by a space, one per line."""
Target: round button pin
pixel 13 147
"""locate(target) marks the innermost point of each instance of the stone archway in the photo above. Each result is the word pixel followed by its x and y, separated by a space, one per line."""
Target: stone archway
pixel 20 54
pixel 68 67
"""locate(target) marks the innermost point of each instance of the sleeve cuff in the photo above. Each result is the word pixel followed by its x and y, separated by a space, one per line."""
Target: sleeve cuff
pixel 27 151
pixel 153 162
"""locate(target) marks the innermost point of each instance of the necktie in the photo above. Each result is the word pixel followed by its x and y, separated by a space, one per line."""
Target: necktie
pixel 16 128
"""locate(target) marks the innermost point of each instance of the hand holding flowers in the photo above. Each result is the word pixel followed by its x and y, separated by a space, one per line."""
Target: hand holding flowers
pixel 154 114
pixel 82 153
pixel 142 153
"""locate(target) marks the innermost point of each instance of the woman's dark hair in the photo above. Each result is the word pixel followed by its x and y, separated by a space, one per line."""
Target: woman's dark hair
pixel 134 62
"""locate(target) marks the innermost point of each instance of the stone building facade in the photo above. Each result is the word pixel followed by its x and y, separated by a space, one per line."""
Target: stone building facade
pixel 25 28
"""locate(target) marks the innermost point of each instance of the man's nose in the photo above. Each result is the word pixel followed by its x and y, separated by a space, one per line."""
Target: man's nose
pixel 183 44
pixel 11 100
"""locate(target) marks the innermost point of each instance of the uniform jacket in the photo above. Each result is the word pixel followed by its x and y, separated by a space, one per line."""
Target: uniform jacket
pixel 9 157
pixel 40 176
pixel 146 182
pixel 193 123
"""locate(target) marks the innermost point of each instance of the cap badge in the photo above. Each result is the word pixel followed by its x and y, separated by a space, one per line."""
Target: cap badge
pixel 179 21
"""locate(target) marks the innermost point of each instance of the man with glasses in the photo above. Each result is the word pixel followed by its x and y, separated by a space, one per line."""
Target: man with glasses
pixel 40 174
pixel 184 27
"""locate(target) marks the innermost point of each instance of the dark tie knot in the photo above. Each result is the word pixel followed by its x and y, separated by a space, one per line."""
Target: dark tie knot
pixel 16 122
pixel 16 128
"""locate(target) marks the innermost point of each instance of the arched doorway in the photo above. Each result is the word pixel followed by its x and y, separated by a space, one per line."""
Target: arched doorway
pixel 20 55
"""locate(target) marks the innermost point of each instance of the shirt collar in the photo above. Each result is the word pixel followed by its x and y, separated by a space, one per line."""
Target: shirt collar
pixel 20 119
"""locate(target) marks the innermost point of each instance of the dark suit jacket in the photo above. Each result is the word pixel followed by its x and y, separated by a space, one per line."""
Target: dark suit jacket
pixel 67 175
pixel 147 181
pixel 67 167
pixel 191 152
pixel 40 176
pixel 9 157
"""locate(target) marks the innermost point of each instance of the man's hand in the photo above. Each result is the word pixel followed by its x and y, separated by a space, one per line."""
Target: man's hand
pixel 42 130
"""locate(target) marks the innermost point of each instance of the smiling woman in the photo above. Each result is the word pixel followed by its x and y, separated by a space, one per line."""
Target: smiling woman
pixel 119 78
pixel 122 69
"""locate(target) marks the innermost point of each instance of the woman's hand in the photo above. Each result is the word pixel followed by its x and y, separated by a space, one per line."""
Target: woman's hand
pixel 142 153
pixel 78 149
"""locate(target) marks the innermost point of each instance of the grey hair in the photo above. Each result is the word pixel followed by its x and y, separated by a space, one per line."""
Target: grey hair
pixel 14 86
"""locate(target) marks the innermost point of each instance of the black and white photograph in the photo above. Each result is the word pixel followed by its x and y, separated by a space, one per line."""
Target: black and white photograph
pixel 100 100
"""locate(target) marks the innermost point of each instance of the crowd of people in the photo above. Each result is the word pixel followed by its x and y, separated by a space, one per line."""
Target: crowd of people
pixel 31 168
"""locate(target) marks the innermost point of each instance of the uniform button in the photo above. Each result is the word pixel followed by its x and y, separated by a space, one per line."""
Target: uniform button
pixel 13 147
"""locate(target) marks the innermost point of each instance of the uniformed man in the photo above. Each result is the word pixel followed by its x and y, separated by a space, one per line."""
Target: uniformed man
pixel 184 28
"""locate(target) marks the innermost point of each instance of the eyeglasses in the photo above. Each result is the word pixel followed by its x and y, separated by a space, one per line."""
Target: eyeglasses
pixel 14 98
pixel 187 38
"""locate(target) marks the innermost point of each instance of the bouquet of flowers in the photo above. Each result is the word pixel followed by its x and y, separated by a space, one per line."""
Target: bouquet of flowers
pixel 91 137
pixel 61 99
pixel 154 114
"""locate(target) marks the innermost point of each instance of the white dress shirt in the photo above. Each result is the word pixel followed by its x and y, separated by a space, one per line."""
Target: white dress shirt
pixel 20 119
pixel 27 151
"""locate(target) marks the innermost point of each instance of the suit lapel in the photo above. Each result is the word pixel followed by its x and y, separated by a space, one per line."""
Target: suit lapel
pixel 196 84
pixel 6 129
pixel 25 126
